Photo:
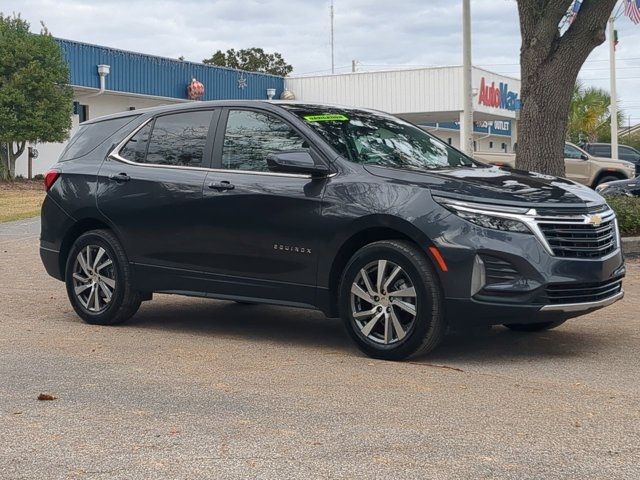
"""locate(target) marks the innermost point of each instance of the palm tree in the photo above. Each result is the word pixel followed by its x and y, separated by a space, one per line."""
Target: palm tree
pixel 589 114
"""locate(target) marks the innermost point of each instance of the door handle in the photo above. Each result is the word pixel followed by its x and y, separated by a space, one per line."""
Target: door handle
pixel 221 186
pixel 120 177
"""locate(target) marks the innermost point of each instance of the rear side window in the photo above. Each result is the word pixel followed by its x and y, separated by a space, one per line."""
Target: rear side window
pixel 88 137
pixel 176 139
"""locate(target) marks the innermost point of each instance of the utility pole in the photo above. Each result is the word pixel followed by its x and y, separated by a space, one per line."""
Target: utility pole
pixel 333 70
pixel 614 97
pixel 466 120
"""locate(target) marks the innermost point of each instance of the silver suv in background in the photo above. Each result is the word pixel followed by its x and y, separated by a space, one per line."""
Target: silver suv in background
pixel 580 166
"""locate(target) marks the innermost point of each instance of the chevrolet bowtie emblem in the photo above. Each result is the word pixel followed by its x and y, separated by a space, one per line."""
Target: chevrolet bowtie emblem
pixel 594 220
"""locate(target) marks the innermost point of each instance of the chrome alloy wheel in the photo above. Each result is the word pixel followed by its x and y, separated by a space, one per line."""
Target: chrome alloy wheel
pixel 94 278
pixel 385 309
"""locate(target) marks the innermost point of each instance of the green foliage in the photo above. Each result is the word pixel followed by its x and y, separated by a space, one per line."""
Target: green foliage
pixel 251 59
pixel 589 118
pixel 35 100
pixel 628 212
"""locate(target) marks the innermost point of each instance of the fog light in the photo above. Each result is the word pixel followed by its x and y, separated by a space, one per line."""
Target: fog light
pixel 478 277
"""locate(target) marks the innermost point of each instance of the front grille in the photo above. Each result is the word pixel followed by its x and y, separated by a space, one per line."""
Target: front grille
pixel 561 293
pixel 572 237
pixel 498 270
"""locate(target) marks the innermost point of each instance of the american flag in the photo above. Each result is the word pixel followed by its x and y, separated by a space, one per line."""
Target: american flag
pixel 632 10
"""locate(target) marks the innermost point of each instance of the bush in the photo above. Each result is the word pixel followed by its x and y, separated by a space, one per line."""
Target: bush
pixel 628 211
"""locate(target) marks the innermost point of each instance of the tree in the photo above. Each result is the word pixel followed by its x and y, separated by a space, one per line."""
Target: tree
pixel 251 59
pixel 550 61
pixel 35 100
pixel 589 116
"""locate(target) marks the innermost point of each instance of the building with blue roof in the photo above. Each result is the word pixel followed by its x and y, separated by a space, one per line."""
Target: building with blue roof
pixel 107 80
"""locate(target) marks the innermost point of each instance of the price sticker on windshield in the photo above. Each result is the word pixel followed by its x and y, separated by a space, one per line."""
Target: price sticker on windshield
pixel 326 117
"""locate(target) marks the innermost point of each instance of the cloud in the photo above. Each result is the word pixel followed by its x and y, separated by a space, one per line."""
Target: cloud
pixel 378 34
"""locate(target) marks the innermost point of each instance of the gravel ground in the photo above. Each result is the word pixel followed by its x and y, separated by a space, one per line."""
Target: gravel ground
pixel 195 388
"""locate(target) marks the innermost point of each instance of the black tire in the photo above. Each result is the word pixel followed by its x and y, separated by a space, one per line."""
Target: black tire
pixel 534 327
pixel 605 179
pixel 124 302
pixel 427 327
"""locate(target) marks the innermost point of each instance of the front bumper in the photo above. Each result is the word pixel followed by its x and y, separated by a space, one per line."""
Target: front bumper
pixel 544 287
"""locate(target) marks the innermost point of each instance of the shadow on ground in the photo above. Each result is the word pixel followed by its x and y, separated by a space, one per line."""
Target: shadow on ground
pixel 290 326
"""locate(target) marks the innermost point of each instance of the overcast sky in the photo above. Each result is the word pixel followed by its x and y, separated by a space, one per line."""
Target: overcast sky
pixel 379 34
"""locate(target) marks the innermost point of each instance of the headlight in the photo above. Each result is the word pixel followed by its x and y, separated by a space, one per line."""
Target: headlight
pixel 497 223
pixel 496 217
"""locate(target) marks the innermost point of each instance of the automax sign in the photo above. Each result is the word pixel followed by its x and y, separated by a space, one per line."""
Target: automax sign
pixel 498 96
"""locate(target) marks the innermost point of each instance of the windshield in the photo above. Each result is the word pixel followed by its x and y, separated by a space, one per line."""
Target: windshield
pixel 376 139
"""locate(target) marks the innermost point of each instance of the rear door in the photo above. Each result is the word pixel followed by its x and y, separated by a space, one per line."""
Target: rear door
pixel 577 167
pixel 263 229
pixel 151 191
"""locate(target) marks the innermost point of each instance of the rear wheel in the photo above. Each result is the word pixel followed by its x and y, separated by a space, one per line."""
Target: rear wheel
pixel 97 277
pixel 534 327
pixel 390 301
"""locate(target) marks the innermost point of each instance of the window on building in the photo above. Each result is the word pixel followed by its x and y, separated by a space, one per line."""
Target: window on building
pixel 475 146
pixel 82 111
pixel 449 140
pixel 504 147
pixel 251 136
pixel 179 139
pixel 490 144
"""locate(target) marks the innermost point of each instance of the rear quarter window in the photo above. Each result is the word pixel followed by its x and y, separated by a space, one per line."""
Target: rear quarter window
pixel 90 136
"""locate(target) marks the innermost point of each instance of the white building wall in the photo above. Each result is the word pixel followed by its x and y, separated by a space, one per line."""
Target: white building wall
pixel 399 91
pixel 101 105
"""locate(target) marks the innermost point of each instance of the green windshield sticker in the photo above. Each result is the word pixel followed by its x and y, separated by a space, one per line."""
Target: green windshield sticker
pixel 326 117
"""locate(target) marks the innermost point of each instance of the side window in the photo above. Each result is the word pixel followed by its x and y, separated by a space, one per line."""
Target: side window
pixel 602 151
pixel 136 148
pixel 179 139
pixel 629 154
pixel 572 152
pixel 251 136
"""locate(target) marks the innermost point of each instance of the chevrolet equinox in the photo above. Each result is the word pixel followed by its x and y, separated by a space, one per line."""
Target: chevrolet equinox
pixel 356 213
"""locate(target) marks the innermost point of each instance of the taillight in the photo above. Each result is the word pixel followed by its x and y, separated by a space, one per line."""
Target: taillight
pixel 50 178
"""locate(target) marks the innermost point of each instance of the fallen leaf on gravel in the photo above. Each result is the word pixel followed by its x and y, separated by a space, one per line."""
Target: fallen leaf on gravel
pixel 17 413
pixel 46 396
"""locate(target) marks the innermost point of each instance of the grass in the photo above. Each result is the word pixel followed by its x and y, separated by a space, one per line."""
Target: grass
pixel 20 199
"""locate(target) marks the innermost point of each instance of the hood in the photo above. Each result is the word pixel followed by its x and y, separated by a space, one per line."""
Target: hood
pixel 496 185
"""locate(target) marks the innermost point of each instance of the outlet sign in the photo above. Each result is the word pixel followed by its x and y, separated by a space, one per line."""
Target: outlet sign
pixel 498 96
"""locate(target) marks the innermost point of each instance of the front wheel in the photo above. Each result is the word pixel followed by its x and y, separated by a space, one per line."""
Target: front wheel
pixel 390 301
pixel 98 279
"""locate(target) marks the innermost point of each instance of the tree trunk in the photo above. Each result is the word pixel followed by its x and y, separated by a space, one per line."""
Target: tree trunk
pixel 550 63
pixel 4 160
pixel 8 157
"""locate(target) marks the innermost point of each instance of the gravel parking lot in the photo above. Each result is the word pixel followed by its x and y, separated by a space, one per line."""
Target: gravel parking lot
pixel 195 388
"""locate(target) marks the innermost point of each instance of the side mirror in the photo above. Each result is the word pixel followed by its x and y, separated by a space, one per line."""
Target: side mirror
pixel 296 161
pixel 584 156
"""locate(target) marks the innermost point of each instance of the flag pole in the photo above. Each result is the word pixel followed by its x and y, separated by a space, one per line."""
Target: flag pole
pixel 614 96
